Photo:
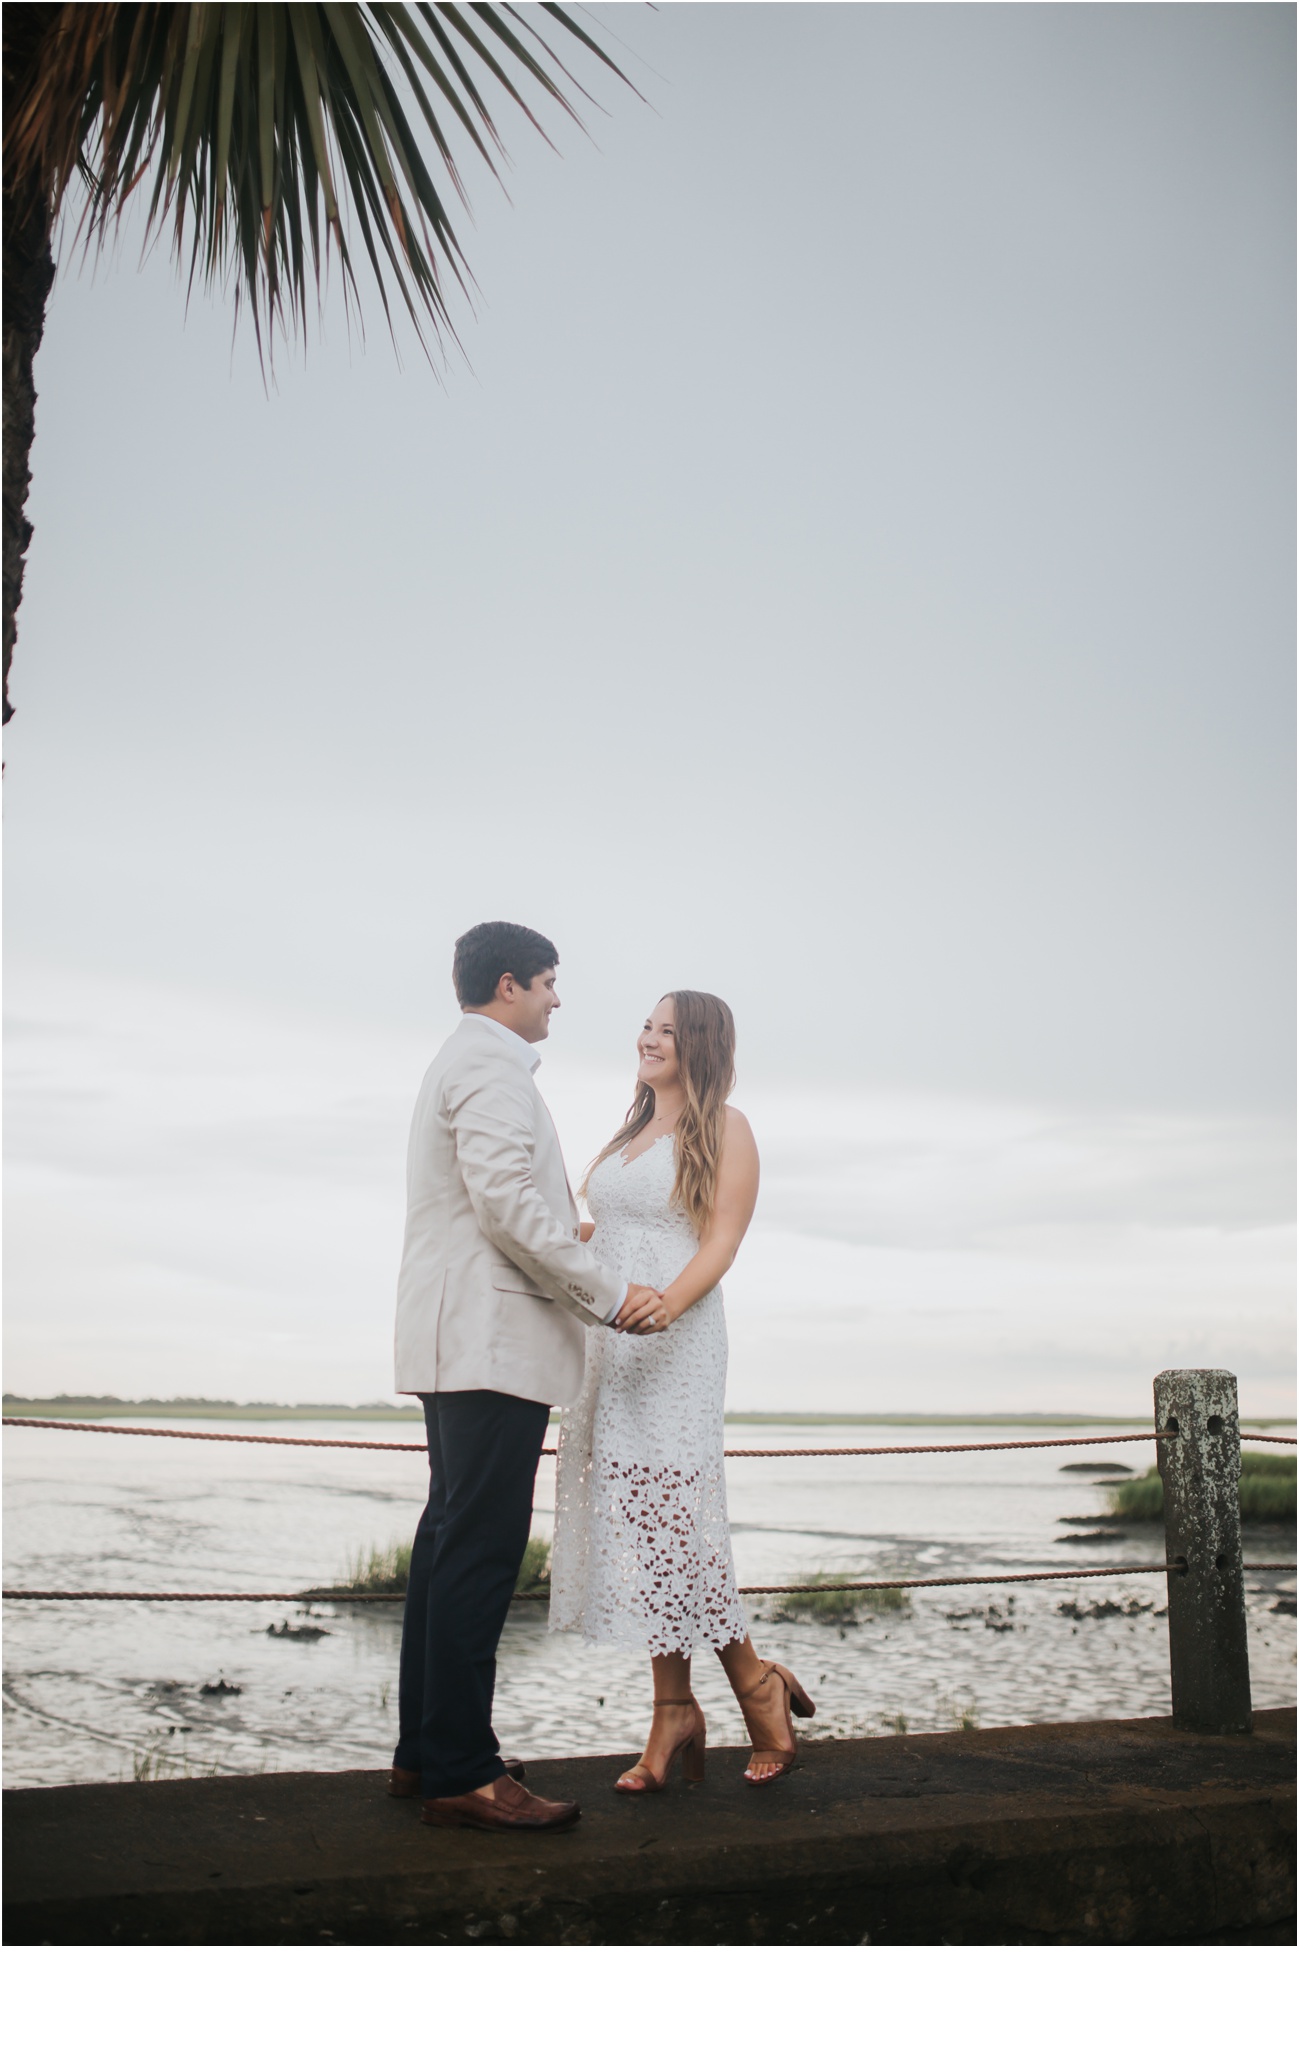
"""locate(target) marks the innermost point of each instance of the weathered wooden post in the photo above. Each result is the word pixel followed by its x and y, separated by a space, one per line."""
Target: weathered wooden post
pixel 1199 1463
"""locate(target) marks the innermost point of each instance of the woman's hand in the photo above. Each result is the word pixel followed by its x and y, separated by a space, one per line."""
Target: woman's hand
pixel 638 1301
pixel 653 1319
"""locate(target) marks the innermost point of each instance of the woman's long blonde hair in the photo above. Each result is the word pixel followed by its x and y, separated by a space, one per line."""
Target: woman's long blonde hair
pixel 704 1030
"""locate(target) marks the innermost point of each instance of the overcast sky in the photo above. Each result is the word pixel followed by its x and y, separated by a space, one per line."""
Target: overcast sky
pixel 852 572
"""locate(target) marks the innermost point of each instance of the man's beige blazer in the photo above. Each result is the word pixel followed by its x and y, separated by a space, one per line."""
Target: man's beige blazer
pixel 495 1284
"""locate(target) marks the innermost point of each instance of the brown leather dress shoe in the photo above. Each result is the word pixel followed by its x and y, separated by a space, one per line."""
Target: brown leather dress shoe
pixel 406 1784
pixel 510 1808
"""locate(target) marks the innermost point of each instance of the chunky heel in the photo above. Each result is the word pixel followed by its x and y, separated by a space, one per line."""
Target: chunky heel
pixel 692 1759
pixel 792 1697
pixel 798 1699
pixel 640 1778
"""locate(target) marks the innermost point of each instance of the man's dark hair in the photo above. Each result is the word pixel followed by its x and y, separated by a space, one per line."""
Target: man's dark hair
pixel 487 952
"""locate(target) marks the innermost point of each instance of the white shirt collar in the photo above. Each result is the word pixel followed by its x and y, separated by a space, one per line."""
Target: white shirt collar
pixel 528 1054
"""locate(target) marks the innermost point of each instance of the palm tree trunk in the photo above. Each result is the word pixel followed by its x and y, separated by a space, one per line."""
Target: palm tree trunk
pixel 28 275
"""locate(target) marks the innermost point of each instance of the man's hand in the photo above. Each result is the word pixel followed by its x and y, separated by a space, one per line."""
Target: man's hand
pixel 640 1300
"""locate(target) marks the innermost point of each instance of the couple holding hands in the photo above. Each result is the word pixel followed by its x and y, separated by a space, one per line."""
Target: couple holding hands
pixel 507 1305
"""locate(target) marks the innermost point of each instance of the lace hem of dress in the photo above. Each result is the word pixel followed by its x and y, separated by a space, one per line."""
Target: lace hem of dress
pixel 629 1632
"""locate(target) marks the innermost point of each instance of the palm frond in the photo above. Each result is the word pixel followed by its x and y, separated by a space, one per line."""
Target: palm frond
pixel 275 133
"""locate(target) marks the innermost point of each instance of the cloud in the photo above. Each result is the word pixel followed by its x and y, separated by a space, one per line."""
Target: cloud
pixel 220 1209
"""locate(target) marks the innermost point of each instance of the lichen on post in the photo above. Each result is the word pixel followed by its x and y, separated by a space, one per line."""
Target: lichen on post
pixel 1198 1419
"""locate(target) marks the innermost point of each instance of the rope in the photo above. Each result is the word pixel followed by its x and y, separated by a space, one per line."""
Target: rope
pixel 299 1599
pixel 324 1598
pixel 1108 1571
pixel 212 1436
pixel 1035 1443
pixel 1253 1436
pixel 333 1443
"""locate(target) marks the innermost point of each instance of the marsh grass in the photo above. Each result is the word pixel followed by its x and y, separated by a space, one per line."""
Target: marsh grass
pixel 534 1572
pixel 827 1598
pixel 955 1711
pixel 963 1712
pixel 1267 1491
pixel 387 1570
pixel 378 1570
pixel 151 1766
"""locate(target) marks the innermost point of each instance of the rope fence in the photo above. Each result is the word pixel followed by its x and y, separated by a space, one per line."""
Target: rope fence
pixel 336 1443
pixel 322 1596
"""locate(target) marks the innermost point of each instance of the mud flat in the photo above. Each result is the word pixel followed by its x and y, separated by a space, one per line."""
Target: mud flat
pixel 1093 1833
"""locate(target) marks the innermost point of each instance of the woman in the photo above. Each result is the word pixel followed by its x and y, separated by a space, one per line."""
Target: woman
pixel 642 1551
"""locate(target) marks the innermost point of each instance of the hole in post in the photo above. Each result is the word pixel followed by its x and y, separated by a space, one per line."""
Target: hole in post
pixel 1215 1425
pixel 1221 1561
pixel 1179 1565
pixel 1171 1426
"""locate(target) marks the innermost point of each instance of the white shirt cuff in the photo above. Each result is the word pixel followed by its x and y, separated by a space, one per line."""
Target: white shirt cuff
pixel 615 1313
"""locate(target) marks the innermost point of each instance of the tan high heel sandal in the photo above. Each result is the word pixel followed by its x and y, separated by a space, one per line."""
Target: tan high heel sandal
pixel 792 1695
pixel 690 1749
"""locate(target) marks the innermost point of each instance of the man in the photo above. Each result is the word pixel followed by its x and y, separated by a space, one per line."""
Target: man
pixel 494 1288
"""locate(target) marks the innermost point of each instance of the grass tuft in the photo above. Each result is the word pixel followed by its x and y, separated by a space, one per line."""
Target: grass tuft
pixel 387 1570
pixel 152 1766
pixel 534 1572
pixel 826 1598
pixel 1267 1491
pixel 378 1570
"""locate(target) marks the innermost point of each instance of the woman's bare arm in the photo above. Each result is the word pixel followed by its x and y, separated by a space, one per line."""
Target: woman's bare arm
pixel 737 1194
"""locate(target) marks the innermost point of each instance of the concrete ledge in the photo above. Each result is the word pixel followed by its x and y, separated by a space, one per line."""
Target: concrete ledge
pixel 1102 1832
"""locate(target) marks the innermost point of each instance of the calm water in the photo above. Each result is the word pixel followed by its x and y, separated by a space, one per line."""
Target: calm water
pixel 103 1692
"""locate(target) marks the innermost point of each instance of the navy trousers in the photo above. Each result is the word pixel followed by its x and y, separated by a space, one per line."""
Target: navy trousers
pixel 483 1452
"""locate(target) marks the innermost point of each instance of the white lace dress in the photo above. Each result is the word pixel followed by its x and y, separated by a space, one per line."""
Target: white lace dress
pixel 642 1549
